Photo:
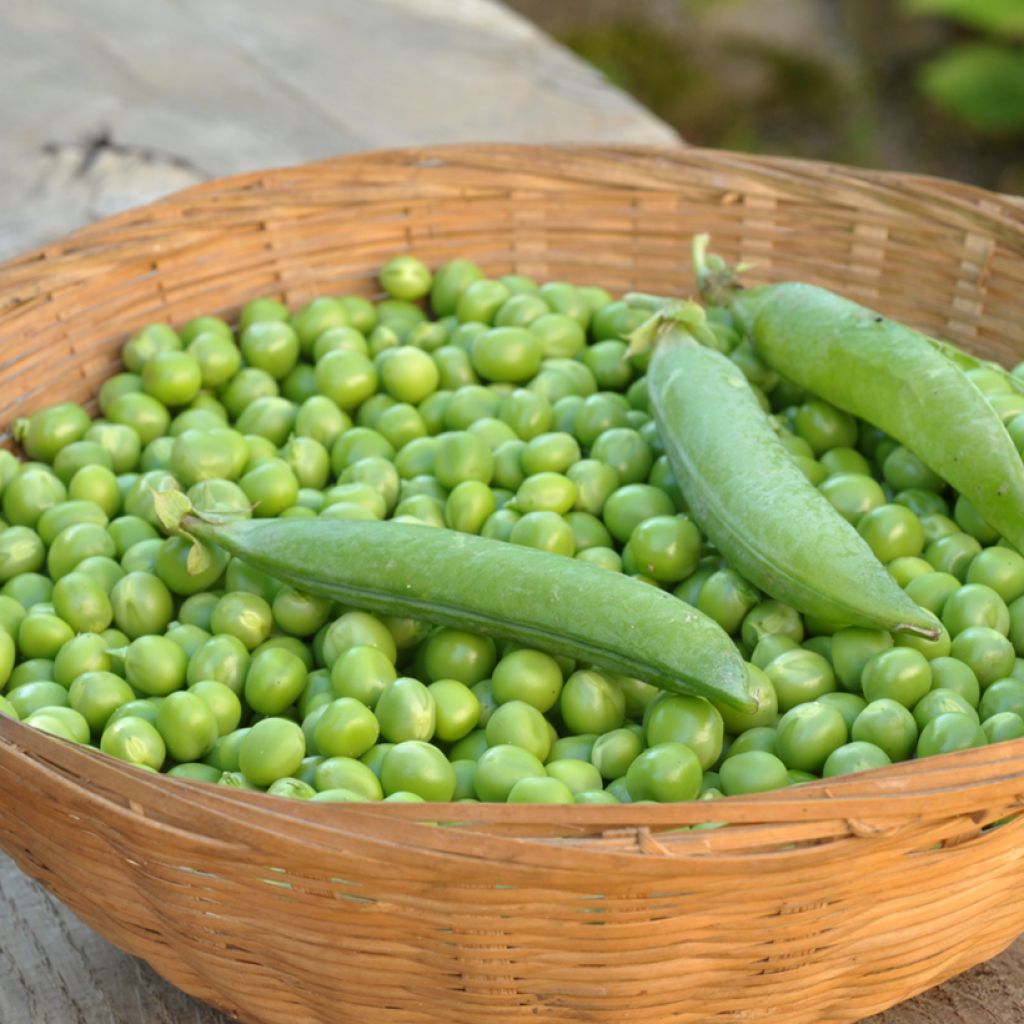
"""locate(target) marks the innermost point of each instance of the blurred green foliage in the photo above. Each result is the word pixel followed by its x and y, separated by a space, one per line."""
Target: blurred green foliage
pixel 979 80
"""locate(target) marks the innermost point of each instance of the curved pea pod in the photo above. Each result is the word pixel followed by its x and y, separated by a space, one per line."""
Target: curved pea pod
pixel 487 586
pixel 901 381
pixel 753 502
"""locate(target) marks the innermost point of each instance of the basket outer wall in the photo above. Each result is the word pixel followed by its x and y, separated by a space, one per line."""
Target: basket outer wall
pixel 820 905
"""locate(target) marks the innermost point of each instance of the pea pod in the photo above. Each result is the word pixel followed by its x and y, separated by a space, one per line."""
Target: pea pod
pixel 486 586
pixel 899 380
pixel 748 496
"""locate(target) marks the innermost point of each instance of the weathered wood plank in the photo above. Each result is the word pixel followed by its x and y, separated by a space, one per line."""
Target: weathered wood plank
pixel 119 102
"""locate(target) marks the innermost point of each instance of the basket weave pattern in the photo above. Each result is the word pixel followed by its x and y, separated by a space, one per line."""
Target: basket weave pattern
pixel 820 905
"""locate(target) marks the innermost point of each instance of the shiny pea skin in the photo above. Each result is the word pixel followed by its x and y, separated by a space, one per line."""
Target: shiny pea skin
pixel 273 681
pixel 545 530
pixel 406 711
pixel 272 749
pixel 135 741
pixel 468 506
pixel 798 676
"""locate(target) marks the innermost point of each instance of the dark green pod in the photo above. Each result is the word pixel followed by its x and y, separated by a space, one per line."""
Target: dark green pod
pixel 752 501
pixel 899 380
pixel 529 596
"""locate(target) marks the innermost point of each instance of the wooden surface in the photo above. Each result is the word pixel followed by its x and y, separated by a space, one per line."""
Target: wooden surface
pixel 118 102
pixel 112 103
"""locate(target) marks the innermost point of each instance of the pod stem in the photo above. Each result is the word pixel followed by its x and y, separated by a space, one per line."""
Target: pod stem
pixel 717 281
pixel 177 515
pixel 928 633
pixel 684 320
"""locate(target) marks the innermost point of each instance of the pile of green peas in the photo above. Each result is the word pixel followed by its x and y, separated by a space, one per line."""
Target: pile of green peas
pixel 491 406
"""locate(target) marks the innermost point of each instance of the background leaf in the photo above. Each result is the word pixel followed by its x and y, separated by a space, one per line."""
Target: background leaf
pixel 981 83
pixel 1003 17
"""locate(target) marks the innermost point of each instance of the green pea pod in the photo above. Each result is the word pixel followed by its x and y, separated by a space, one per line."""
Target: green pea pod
pixel 899 380
pixel 752 501
pixel 487 586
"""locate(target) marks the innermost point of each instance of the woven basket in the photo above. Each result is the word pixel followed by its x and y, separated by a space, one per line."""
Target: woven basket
pixel 823 903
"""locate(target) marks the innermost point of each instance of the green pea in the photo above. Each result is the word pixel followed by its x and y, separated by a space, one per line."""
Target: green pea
pixel 852 648
pixel 418 770
pixel 42 634
pixel 629 505
pixel 892 531
pixel 692 721
pixel 752 771
pixel 599 413
pixel 456 654
pixel 357 628
pixel 950 674
pixel 902 469
pixel 507 354
pixel 853 495
pixel 798 676
pixel 344 728
pixel 968 519
pixel 530 676
pixel 664 773
pixel 974 604
pixel 940 702
pixel 43 434
pixel 591 703
pixel 576 775
pixel 96 695
pixel 317 316
pixel 769 618
pixel 1002 695
pixel 616 320
pixel 902 674
pixel 246 616
pixel 521 724
pixel 406 711
pixel 28 589
pixel 30 697
pixel 520 308
pixel 21 551
pixel 1001 569
pixel 187 725
pixel 528 414
pixel 823 426
pixel 28 495
pixel 614 751
pixel 950 732
pixel 272 749
pixel 725 596
pixel 481 300
pixel 953 553
pixel 271 486
pixel 931 591
pixel 546 531
pixel 607 361
pixel 223 659
pixel 82 603
pixel 857 756
pixel 320 418
pixel 155 666
pixel 222 702
pixel 1006 725
pixel 135 741
pixel 500 767
pixel 546 492
pixel 560 336
pixel 989 654
pixel 273 681
pixel 808 733
pixel 8 653
pixel 588 531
